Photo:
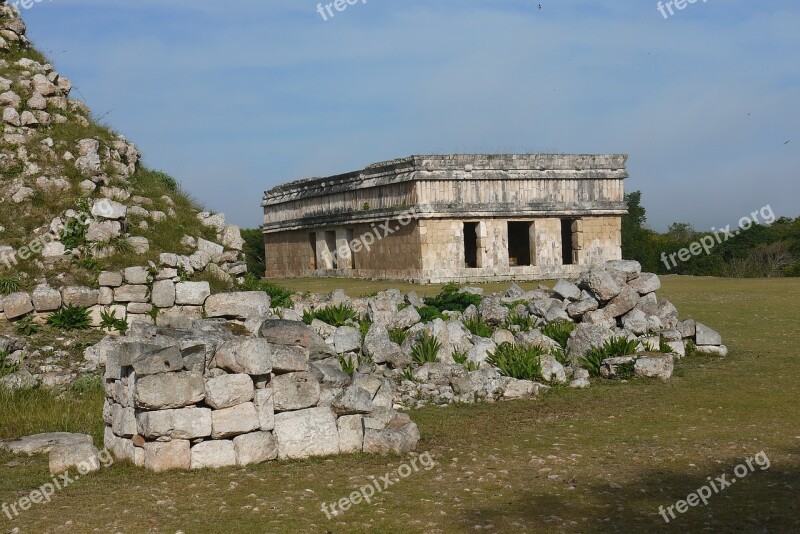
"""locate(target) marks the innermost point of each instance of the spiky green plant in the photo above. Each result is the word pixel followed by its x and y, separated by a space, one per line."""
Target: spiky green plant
pixel 109 322
pixel 9 284
pixel 478 327
pixel 460 357
pixel 525 323
pixel 398 335
pixel 559 331
pixel 337 315
pixel 348 365
pixel 408 374
pixel 451 299
pixel 518 361
pixel 70 318
pixel 426 350
pixel 614 347
pixel 280 296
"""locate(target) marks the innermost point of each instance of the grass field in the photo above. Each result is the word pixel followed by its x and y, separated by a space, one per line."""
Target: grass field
pixel 598 460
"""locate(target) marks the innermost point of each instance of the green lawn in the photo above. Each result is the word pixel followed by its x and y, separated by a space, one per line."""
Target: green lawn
pixel 599 460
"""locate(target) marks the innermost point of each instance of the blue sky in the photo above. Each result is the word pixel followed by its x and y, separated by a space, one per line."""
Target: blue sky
pixel 235 97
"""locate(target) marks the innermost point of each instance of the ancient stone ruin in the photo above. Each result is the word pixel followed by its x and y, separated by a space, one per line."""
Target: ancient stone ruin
pixel 460 218
pixel 258 383
pixel 204 397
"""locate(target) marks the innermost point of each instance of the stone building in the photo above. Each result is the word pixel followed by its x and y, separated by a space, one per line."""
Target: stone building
pixel 456 218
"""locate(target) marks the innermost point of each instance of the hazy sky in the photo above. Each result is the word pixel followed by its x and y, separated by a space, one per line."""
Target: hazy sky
pixel 233 97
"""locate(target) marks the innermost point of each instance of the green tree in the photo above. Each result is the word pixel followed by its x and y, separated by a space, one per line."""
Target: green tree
pixel 254 251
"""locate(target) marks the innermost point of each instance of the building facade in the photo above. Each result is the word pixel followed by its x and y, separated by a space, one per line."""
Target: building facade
pixel 455 218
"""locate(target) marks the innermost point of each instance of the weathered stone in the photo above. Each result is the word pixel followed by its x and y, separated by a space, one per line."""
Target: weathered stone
pixel 265 408
pixel 251 356
pixel 577 309
pixel 166 360
pixel 213 454
pixel 45 298
pixel 229 390
pixel 255 448
pixel 80 296
pixel 130 293
pixel 584 337
pixel 238 305
pixel 347 339
pixel 106 208
pixel 351 434
pixel 83 456
pixel 231 237
pixel 706 336
pixel 493 311
pixel 567 290
pixel 629 269
pixel 405 318
pixel 552 370
pixel 601 284
pixel 136 275
pixel 229 422
pixel 712 350
pixel 624 302
pixel 163 456
pixel 186 423
pixel 645 283
pixel 110 279
pixel 295 391
pixel 192 293
pixel 635 321
pixel 171 390
pixel 655 366
pixel 292 333
pixel 44 443
pixel 352 401
pixel 17 305
pixel 400 437
pixel 163 294
pixel 610 366
pixel 212 249
pixel 381 349
pixel 306 433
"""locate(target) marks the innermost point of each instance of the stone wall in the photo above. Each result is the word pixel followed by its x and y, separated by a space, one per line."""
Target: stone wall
pixel 204 397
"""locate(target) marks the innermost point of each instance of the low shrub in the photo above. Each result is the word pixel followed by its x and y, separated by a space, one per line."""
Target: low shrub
pixel 27 327
pixel 109 322
pixel 426 349
pixel 280 296
pixel 517 361
pixel 429 313
pixel 70 318
pixel 451 299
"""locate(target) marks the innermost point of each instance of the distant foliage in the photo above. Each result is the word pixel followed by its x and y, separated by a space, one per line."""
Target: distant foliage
pixel 760 251
pixel 254 251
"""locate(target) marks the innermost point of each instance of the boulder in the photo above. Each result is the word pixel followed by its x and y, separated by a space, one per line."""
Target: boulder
pixel 655 366
pixel 629 269
pixel 351 433
pixel 45 298
pixel 251 356
pixel 255 448
pixel 306 433
pixel 163 294
pixel 213 454
pixel 552 370
pixel 192 293
pixel 353 401
pixel 346 339
pixel 229 422
pixel 624 302
pixel 567 290
pixel 706 336
pixel 80 296
pixel 229 390
pixel 601 284
pixel 185 423
pixel 17 305
pixel 295 391
pixel 44 443
pixel 166 360
pixel 163 456
pixel 83 456
pixel 645 283
pixel 240 305
pixel 170 390
pixel 584 337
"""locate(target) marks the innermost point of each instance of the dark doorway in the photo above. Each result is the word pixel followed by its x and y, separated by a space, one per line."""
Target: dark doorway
pixel 519 243
pixel 312 241
pixel 471 245
pixel 330 242
pixel 567 248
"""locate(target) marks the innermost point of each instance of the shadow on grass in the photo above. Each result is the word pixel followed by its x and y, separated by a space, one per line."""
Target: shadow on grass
pixel 761 501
